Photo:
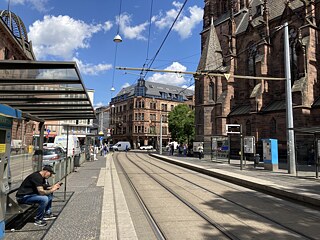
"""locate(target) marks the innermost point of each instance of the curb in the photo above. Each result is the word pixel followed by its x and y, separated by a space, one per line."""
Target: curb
pixel 271 189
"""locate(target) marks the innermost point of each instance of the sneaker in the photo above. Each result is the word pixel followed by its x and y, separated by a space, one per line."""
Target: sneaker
pixel 40 223
pixel 49 217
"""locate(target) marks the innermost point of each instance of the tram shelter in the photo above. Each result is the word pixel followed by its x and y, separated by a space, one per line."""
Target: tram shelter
pixel 37 91
pixel 311 134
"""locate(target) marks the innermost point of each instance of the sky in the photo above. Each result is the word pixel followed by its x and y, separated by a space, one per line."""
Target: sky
pixel 83 31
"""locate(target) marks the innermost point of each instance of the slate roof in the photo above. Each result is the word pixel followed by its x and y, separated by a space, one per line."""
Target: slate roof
pixel 276 8
pixel 240 110
pixel 211 56
pixel 154 89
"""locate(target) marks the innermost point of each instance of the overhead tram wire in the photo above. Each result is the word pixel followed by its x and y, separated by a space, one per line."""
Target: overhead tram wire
pixel 117 39
pixel 277 28
pixel 148 45
pixel 153 59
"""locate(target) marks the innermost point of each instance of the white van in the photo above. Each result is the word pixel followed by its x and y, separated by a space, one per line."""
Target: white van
pixel 73 145
pixel 121 146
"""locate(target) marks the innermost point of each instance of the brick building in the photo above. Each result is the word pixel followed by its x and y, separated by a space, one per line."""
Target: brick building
pixel 245 37
pixel 136 111
pixel 14 45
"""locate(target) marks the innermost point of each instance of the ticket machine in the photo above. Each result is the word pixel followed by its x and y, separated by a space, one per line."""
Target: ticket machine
pixel 270 154
pixel 5 145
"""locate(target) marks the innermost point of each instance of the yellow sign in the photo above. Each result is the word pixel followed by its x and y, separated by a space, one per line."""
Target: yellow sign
pixel 2 148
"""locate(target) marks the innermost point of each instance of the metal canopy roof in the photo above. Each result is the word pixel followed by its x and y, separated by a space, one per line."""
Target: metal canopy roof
pixel 45 90
pixel 311 130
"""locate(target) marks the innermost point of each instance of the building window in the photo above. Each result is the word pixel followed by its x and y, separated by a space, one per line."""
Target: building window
pixel 295 55
pixel 252 54
pixel 164 118
pixel 139 116
pixel 224 6
pixel 248 128
pixel 242 4
pixel 139 104
pixel 164 107
pixel 152 130
pixel 153 117
pixel 211 91
pixel 273 127
pixel 199 93
pixel 6 53
pixel 153 105
pixel 259 10
pixel 165 130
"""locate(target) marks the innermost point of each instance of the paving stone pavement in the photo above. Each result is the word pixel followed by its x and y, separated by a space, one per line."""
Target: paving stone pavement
pixel 88 211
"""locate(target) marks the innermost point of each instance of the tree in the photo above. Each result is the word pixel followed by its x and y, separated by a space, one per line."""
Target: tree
pixel 181 123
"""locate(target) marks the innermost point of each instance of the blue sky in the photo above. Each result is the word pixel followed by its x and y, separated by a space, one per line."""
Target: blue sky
pixel 83 31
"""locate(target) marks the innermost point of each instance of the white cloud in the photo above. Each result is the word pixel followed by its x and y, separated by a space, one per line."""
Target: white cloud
pixel 90 69
pixel 131 32
pixel 170 78
pixel 39 5
pixel 185 24
pixel 125 85
pixel 107 26
pixel 188 87
pixel 99 104
pixel 60 36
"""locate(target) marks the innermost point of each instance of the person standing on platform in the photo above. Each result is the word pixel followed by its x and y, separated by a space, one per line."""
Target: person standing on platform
pixel 200 150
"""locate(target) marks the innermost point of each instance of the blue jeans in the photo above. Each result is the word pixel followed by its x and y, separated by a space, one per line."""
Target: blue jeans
pixel 44 202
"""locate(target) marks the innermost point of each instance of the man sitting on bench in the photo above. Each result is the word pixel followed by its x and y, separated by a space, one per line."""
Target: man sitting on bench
pixel 33 190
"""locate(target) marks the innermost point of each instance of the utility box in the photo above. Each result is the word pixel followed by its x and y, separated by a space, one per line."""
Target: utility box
pixel 270 154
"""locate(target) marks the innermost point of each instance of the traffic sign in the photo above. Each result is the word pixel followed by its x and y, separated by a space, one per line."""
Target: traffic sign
pixel 233 128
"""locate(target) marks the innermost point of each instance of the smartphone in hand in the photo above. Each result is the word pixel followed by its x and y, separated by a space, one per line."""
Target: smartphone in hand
pixel 60 183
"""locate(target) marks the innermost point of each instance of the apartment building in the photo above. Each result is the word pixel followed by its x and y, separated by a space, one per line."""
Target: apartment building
pixel 139 111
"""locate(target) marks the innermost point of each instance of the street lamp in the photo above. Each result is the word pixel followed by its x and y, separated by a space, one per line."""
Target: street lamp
pixel 117 39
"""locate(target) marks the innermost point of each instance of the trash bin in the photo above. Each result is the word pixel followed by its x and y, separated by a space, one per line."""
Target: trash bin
pixel 77 161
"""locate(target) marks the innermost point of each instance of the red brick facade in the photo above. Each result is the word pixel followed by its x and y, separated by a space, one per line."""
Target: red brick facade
pixel 251 40
pixel 14 45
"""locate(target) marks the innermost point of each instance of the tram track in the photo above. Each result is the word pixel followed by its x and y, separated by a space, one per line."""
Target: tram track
pixel 233 202
pixel 145 165
pixel 156 226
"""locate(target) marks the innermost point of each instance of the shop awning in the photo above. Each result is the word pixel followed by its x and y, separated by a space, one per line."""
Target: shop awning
pixel 45 90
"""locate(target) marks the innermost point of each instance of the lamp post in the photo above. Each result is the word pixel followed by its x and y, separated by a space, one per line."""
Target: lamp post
pixel 290 132
pixel 160 150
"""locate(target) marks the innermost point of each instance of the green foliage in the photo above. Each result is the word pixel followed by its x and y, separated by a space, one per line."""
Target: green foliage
pixel 181 123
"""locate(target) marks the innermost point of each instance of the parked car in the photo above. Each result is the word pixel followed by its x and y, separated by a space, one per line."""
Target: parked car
pixel 51 155
pixel 147 147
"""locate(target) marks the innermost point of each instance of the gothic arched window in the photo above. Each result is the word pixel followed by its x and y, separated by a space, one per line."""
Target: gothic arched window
pixel 252 54
pixel 242 4
pixel 248 128
pixel 211 91
pixel 273 127
pixel 293 54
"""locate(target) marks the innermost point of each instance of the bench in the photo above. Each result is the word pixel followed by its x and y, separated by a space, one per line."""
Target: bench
pixel 17 214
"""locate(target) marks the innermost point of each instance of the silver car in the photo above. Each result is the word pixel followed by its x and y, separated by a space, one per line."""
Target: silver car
pixel 51 155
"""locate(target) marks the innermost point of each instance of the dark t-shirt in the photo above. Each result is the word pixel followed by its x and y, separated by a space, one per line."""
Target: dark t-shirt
pixel 30 184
